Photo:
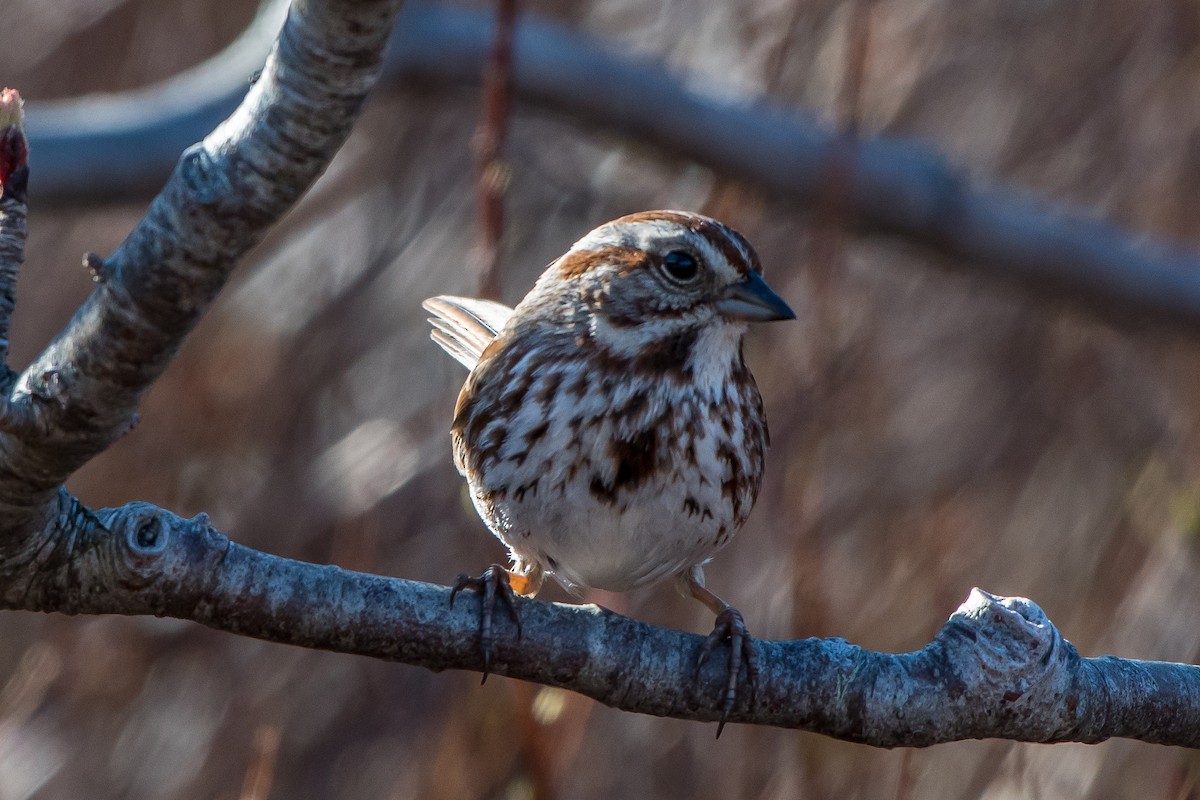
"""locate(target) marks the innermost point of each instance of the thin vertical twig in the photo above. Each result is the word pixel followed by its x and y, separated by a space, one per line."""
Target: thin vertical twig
pixel 777 62
pixel 833 209
pixel 858 48
pixel 489 148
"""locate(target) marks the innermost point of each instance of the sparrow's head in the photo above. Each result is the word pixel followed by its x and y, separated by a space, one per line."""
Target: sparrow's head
pixel 656 275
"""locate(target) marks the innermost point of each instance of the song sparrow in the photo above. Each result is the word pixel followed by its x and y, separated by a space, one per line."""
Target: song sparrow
pixel 609 430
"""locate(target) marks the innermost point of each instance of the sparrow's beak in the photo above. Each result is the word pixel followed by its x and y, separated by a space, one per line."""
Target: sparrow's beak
pixel 751 300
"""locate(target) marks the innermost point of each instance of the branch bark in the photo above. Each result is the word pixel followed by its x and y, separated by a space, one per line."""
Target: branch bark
pixel 998 668
pixel 898 186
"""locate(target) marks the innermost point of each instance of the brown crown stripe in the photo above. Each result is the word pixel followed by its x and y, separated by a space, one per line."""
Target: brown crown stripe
pixel 574 264
pixel 731 244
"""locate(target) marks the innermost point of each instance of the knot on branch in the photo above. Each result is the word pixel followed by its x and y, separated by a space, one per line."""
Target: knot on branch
pixel 201 177
pixel 72 560
pixel 1020 662
pixel 1007 630
pixel 149 544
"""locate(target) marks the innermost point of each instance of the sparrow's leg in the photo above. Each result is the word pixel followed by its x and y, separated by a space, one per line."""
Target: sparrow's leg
pixel 496 581
pixel 731 626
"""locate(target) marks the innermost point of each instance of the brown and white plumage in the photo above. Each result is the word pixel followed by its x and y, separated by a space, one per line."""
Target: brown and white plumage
pixel 609 429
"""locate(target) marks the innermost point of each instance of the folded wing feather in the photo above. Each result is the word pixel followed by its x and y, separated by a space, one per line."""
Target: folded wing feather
pixel 464 326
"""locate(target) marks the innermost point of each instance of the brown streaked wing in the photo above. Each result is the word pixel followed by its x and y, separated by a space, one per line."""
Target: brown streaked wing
pixel 477 376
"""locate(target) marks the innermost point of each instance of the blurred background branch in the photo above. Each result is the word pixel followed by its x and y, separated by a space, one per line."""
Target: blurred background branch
pixel 894 185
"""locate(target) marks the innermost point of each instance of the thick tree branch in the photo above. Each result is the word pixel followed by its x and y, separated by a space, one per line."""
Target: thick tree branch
pixel 898 186
pixel 79 395
pixel 998 668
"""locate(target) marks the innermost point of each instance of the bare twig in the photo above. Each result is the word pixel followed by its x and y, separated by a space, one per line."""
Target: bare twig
pixel 900 186
pixel 489 148
pixel 834 211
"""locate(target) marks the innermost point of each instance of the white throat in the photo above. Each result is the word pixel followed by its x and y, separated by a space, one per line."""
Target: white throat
pixel 711 357
pixel 627 341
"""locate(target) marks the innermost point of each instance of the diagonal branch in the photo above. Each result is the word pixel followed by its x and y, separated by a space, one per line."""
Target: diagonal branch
pixel 998 668
pixel 899 186
pixel 79 395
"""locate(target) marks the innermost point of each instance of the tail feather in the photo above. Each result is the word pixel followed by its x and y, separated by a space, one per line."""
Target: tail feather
pixel 465 326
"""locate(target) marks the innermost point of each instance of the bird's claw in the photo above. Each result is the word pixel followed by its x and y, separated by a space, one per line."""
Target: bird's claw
pixel 731 626
pixel 493 583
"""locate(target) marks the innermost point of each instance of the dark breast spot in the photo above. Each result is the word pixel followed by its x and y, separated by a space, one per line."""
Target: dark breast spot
pixel 485 446
pixel 634 406
pixel 670 356
pixel 635 460
pixel 736 482
pixel 548 390
pixel 602 491
pixel 580 386
pixel 535 434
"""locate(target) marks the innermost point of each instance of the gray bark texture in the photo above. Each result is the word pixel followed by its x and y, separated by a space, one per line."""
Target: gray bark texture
pixel 998 668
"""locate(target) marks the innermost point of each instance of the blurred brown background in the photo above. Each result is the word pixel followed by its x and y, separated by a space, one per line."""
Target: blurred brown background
pixel 933 430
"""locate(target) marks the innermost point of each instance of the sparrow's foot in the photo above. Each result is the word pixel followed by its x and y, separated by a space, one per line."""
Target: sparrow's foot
pixel 731 626
pixel 493 583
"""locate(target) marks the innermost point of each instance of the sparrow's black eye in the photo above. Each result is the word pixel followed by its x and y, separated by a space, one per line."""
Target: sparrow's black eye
pixel 681 265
